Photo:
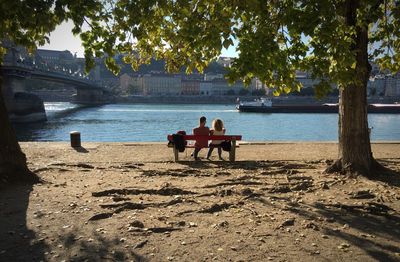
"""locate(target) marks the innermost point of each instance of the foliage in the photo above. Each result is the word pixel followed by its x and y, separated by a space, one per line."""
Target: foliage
pixel 28 23
pixel 274 38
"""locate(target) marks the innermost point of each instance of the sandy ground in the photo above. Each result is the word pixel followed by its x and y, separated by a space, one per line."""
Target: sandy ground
pixel 131 202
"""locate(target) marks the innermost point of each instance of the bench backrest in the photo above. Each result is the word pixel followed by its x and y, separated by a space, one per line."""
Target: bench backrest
pixel 206 137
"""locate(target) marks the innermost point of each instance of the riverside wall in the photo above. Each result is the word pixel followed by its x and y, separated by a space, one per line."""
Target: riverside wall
pixel 67 95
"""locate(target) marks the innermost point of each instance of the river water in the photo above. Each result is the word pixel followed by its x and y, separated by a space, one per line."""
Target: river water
pixel 152 122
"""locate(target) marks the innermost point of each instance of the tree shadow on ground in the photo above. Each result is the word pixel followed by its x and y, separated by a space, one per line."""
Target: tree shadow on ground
pixel 390 176
pixel 18 241
pixel 98 248
pixel 372 227
pixel 248 165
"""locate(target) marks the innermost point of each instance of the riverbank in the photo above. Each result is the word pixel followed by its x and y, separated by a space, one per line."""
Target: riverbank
pixel 67 95
pixel 129 201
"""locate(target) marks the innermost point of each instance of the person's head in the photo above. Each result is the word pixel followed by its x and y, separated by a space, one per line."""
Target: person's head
pixel 218 125
pixel 203 121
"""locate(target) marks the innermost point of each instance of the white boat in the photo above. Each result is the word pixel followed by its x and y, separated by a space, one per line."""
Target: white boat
pixel 259 102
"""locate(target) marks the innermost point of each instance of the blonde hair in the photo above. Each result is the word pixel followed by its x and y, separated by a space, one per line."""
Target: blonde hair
pixel 218 125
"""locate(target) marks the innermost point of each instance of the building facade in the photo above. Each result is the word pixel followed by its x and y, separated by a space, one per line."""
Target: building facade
pixel 190 87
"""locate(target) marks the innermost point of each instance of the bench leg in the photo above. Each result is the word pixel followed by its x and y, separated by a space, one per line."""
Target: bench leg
pixel 232 153
pixel 176 154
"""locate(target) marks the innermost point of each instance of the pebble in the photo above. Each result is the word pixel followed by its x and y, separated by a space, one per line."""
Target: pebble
pixel 234 248
pixel 220 249
pixel 183 243
pixel 137 223
pixel 122 239
pixel 192 224
pixel 343 246
pixel 288 222
pixel 324 236
pixel 313 244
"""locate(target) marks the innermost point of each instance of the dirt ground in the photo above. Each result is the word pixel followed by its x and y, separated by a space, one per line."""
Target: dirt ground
pixel 131 202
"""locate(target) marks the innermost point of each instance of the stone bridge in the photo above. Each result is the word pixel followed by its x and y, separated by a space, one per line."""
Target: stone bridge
pixel 26 107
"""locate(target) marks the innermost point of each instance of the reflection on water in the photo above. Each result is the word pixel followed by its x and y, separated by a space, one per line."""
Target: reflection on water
pixel 152 122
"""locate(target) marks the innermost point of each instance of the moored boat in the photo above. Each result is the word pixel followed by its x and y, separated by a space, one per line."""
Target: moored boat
pixel 265 105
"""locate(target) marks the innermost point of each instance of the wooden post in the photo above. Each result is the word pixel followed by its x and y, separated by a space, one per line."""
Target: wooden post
pixel 232 153
pixel 75 138
pixel 176 153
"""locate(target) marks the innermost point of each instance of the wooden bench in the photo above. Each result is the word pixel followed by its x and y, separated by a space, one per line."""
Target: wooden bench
pixel 230 138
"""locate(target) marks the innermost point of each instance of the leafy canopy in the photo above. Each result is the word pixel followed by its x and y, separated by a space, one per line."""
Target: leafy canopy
pixel 29 22
pixel 274 38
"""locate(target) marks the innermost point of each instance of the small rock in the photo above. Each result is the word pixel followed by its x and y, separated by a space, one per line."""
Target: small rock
pixel 137 223
pixel 141 244
pixel 234 248
pixel 192 224
pixel 313 244
pixel 330 219
pixel 247 192
pixel 220 249
pixel 324 236
pixel 324 185
pixel 122 240
pixel 362 194
pixel 183 243
pixel 181 223
pixel 312 226
pixel 288 222
pixel 343 246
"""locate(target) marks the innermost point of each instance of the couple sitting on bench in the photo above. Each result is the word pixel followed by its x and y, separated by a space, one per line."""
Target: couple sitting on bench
pixel 201 136
pixel 217 130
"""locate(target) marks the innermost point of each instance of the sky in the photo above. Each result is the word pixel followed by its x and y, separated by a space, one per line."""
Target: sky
pixel 62 39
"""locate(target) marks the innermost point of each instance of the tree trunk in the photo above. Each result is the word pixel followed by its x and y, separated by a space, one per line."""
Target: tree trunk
pixel 355 155
pixel 13 167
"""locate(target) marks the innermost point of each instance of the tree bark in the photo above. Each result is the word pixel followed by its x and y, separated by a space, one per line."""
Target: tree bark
pixel 13 166
pixel 355 154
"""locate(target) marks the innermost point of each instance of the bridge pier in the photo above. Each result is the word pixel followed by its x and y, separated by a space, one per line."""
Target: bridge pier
pixel 89 96
pixel 25 107
pixel 22 107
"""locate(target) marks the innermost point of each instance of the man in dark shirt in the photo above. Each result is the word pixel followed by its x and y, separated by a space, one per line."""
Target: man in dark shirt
pixel 200 130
